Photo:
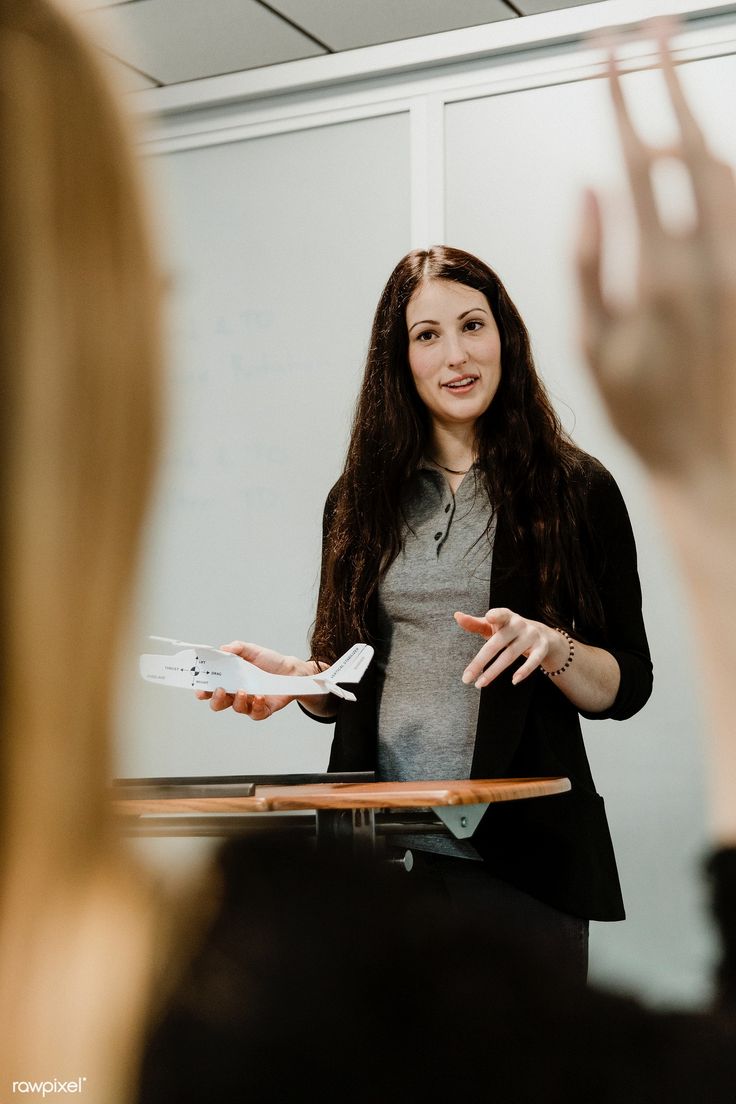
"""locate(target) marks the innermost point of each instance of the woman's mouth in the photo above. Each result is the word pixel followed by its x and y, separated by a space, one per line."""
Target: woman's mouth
pixel 461 384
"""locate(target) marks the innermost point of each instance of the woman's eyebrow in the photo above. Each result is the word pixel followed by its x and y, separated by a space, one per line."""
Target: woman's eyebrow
pixel 434 322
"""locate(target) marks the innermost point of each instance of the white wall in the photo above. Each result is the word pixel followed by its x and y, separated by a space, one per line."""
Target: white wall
pixel 279 244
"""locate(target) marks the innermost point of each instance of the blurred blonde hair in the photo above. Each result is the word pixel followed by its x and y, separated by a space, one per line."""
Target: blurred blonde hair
pixel 80 362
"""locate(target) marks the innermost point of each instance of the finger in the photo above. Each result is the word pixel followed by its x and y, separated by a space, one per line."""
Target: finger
pixel 260 709
pixel 497 618
pixel 533 661
pixel 237 647
pixel 242 702
pixel 203 695
pixel 595 312
pixel 693 141
pixel 221 700
pixel 637 156
pixel 473 624
pixel 495 624
pixel 712 181
pixel 508 656
pixel 589 251
pixel 487 653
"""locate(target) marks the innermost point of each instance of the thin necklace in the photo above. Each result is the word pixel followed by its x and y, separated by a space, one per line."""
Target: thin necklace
pixel 452 471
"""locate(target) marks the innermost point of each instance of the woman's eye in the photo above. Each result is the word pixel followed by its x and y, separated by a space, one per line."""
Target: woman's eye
pixel 474 324
pixel 425 335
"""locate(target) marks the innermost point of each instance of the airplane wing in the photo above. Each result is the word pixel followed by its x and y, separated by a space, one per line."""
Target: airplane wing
pixel 201 667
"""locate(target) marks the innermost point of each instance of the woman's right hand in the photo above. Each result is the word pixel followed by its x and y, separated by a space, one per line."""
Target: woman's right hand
pixel 258 707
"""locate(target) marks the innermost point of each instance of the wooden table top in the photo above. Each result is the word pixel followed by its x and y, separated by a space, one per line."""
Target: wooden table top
pixel 349 795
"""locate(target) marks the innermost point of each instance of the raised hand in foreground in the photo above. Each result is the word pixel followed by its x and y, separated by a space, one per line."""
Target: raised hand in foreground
pixel 666 368
pixel 666 365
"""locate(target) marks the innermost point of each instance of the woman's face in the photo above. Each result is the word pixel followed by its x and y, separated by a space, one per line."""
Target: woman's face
pixel 454 351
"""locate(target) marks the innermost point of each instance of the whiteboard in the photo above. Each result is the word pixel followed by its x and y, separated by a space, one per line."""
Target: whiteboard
pixel 278 248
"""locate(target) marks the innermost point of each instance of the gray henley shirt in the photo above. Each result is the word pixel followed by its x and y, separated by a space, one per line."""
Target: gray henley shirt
pixel 427 717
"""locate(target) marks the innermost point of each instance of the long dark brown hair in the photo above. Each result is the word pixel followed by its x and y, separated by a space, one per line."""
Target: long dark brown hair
pixel 531 468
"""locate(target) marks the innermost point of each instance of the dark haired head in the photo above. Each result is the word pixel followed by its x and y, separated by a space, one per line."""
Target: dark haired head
pixel 388 368
pixel 525 457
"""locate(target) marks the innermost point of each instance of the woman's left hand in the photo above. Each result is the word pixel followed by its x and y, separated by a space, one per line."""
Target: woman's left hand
pixel 510 636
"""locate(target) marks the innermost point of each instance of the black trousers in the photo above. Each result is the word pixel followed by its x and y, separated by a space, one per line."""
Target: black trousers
pixel 467 889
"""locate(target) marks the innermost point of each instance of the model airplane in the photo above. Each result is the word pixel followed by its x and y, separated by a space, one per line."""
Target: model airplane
pixel 202 667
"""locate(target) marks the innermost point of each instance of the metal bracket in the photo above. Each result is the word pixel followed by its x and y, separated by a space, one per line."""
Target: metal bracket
pixel 364 831
pixel 461 820
pixel 355 828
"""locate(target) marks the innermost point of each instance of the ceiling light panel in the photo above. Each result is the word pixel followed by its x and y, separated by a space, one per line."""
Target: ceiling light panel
pixel 344 26
pixel 174 41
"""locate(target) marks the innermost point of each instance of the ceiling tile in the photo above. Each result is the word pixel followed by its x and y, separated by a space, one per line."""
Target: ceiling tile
pixel 535 7
pixel 127 79
pixel 344 26
pixel 90 5
pixel 174 41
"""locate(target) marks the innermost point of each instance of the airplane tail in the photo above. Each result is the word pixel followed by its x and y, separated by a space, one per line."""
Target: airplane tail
pixel 349 667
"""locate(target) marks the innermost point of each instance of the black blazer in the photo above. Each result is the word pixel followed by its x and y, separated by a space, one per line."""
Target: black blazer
pixel 556 848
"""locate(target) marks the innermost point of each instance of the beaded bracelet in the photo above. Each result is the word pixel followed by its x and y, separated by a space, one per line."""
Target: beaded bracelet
pixel 570 657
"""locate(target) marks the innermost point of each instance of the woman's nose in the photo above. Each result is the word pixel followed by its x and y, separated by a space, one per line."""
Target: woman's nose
pixel 455 352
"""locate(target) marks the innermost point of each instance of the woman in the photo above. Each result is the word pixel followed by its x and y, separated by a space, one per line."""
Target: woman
pixel 460 489
pixel 80 357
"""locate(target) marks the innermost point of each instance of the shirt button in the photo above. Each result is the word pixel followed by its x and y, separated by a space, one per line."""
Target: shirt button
pixel 447 507
pixel 437 536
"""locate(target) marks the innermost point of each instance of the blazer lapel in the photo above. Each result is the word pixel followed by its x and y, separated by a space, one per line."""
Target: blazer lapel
pixel 503 706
